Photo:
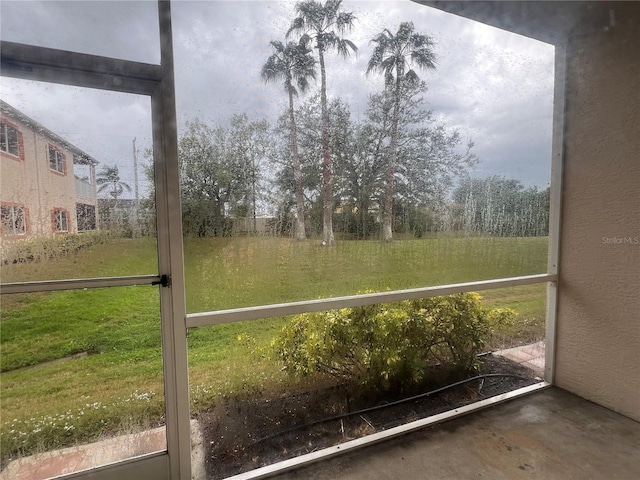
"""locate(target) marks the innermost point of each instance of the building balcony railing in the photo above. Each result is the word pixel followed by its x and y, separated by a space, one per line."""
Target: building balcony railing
pixel 84 189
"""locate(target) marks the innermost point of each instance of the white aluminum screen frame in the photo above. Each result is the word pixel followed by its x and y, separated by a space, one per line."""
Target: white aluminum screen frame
pixel 555 207
pixel 294 308
pixel 157 81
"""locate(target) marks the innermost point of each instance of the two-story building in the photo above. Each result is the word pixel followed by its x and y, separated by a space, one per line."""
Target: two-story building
pixel 48 185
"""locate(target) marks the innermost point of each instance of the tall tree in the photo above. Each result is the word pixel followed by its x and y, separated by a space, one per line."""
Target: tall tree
pixel 108 179
pixel 219 172
pixel 391 55
pixel 309 128
pixel 430 157
pixel 208 178
pixel 429 154
pixel 292 63
pixel 110 183
pixel 250 144
pixel 320 22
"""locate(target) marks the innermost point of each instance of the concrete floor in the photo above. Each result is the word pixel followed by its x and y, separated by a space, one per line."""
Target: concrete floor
pixel 547 435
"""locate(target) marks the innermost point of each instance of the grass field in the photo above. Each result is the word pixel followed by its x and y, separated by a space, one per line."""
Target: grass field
pixel 116 383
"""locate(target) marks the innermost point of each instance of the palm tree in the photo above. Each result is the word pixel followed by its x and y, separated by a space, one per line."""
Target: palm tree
pixel 109 179
pixel 390 56
pixel 320 22
pixel 292 63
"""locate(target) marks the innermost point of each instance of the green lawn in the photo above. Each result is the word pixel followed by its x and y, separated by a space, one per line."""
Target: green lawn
pixel 227 273
pixel 47 403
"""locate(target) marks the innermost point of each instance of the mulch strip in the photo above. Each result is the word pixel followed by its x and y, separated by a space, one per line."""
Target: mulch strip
pixel 244 435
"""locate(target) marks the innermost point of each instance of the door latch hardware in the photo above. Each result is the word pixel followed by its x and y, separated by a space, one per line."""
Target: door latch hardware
pixel 164 281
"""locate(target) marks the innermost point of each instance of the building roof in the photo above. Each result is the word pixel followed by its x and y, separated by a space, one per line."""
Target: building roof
pixel 80 157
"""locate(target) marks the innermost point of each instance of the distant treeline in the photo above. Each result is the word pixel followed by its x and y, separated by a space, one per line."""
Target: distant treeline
pixel 500 207
pixel 494 206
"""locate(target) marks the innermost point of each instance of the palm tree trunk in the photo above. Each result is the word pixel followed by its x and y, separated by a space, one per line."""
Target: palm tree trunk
pixel 253 196
pixel 297 172
pixel 327 187
pixel 387 219
pixel 114 210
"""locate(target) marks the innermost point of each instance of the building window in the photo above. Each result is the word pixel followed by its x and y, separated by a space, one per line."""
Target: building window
pixel 57 160
pixel 60 220
pixel 86 217
pixel 14 220
pixel 10 140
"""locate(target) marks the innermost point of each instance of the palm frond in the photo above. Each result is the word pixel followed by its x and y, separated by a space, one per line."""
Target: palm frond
pixel 341 45
pixel 405 31
pixel 345 21
pixel 272 69
pixel 291 63
pixel 317 20
pixel 277 45
pixel 393 51
pixel 312 14
pixel 348 43
pixel 377 56
pixel 297 25
pixel 331 8
pixel 389 63
pixel 424 58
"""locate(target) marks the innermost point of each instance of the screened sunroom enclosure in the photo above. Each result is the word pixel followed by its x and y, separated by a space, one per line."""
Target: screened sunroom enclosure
pixel 189 308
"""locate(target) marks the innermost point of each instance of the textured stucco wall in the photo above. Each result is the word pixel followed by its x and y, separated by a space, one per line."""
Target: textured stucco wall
pixel 31 183
pixel 598 330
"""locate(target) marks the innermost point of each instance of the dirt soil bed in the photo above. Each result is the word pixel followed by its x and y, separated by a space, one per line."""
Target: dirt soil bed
pixel 244 435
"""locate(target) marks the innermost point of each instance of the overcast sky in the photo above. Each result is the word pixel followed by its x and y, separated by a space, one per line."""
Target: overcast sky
pixel 495 87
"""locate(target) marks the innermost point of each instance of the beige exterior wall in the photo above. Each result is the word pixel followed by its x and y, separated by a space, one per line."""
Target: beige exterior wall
pixel 598 326
pixel 32 183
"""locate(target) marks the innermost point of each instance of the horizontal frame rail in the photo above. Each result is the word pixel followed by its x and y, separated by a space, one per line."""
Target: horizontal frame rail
pixel 79 69
pixel 152 465
pixel 283 309
pixel 78 284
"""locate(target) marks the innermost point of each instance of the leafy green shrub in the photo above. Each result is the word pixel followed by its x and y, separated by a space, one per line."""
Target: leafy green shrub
pixel 37 249
pixel 389 345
